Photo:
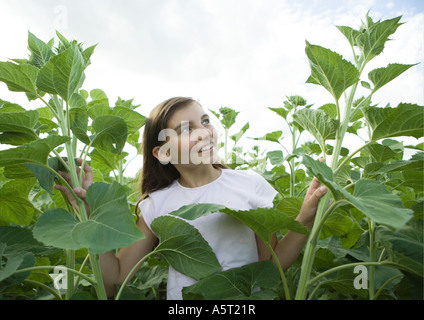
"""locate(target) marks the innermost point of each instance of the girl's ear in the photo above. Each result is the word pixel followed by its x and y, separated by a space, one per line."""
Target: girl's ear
pixel 160 154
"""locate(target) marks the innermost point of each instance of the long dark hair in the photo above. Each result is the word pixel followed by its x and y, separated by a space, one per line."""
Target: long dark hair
pixel 154 175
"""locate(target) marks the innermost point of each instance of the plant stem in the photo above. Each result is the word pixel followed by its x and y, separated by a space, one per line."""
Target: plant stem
pixel 309 254
pixel 118 295
pixel 70 264
pixel 82 275
pixel 95 266
pixel 351 155
pixel 349 265
pixel 371 289
pixel 42 285
pixel 385 284
pixel 280 269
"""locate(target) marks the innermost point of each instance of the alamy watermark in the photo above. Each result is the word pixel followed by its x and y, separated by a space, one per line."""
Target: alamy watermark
pixel 361 280
pixel 60 21
pixel 60 277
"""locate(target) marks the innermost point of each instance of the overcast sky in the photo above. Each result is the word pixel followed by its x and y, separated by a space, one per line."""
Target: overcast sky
pixel 244 54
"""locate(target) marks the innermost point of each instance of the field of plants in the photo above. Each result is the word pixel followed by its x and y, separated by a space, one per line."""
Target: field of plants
pixel 367 240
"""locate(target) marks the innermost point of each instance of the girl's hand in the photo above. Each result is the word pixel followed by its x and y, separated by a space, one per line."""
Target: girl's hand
pixel 310 204
pixel 87 180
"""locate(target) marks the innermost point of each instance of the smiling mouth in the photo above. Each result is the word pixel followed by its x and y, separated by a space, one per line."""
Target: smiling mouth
pixel 206 148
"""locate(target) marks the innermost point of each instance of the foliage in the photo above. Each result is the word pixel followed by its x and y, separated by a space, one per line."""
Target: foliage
pixel 371 217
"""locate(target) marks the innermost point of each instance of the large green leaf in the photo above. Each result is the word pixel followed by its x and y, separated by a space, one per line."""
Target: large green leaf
pixel 20 239
pixel 79 117
pixel 405 120
pixel 373 36
pixel 318 123
pixel 371 197
pixel 17 128
pixel 184 248
pixel 251 282
pixel 15 207
pixel 132 118
pixel 263 221
pixel 109 227
pixel 330 70
pixel 21 78
pixel 405 246
pixel 12 262
pixel 111 133
pixel 33 152
pixel 382 76
pixel 63 74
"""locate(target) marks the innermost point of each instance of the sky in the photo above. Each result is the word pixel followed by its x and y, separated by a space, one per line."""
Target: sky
pixel 244 54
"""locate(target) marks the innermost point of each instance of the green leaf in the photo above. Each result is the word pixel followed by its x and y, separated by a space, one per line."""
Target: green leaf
pixel 382 76
pixel 371 197
pixel 318 123
pixel 280 111
pixel 63 74
pixel 20 78
pixel 33 152
pixel 17 128
pixel 106 161
pixel 330 70
pixel 40 51
pixel 132 118
pixel 109 227
pixel 405 120
pixel 271 136
pixel 228 117
pixel 55 228
pixel 15 207
pixel 13 262
pixel 251 282
pixel 318 169
pixel 236 137
pixel 349 33
pixel 111 133
pixel 263 221
pixel 183 247
pixel 373 36
pixel 405 247
pixel 20 239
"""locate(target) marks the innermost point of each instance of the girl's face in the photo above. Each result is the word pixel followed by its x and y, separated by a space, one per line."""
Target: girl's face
pixel 191 138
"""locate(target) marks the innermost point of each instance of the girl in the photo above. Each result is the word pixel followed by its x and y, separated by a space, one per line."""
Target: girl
pixel 180 167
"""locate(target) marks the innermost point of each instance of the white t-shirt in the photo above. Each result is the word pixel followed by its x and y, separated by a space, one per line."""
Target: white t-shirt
pixel 233 243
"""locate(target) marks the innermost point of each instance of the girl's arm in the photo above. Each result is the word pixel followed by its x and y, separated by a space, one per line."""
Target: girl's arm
pixel 115 268
pixel 289 248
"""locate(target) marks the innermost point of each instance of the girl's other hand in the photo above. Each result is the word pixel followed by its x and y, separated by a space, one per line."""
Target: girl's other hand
pixel 87 180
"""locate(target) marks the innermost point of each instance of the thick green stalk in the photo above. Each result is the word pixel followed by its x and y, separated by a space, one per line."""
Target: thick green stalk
pixel 64 123
pixel 95 266
pixel 309 253
pixel 371 289
pixel 70 264
pixel 280 270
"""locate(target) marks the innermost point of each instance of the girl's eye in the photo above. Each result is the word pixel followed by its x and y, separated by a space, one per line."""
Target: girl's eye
pixel 206 121
pixel 185 129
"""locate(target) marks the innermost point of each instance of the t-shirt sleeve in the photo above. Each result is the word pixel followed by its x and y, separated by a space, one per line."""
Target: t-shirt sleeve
pixel 264 192
pixel 147 210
